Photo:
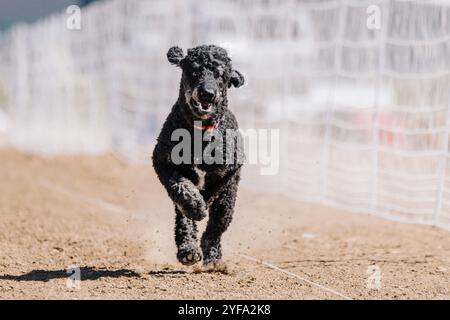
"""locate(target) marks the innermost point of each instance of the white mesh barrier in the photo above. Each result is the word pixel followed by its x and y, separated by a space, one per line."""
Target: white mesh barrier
pixel 363 112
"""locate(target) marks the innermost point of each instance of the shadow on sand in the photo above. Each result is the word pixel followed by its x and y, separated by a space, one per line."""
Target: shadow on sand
pixel 87 273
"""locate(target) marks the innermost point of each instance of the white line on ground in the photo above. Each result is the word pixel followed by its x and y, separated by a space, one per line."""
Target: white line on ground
pixel 274 267
pixel 123 211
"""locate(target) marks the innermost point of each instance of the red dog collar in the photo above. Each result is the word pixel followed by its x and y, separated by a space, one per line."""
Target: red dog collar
pixel 209 128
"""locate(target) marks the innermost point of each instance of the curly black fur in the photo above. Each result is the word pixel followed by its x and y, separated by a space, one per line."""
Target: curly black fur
pixel 207 74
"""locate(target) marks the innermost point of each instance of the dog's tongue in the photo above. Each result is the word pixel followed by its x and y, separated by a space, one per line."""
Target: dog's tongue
pixel 208 127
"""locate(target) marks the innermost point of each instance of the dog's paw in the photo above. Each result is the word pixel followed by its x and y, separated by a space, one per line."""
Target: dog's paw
pixel 196 213
pixel 189 256
pixel 192 204
pixel 212 252
pixel 213 263
pixel 196 210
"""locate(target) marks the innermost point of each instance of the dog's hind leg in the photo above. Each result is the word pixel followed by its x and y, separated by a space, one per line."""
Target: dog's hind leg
pixel 186 239
pixel 220 215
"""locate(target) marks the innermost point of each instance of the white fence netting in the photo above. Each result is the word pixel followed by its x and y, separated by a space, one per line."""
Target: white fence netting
pixel 363 113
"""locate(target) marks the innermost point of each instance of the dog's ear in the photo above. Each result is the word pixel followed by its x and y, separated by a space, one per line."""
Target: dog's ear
pixel 237 79
pixel 175 55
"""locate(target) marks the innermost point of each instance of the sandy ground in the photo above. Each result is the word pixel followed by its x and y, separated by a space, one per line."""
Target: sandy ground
pixel 115 223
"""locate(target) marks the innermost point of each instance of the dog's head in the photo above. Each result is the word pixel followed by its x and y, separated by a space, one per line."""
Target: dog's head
pixel 207 73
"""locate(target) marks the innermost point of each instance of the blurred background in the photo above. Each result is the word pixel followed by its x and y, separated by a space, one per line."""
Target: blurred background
pixel 363 112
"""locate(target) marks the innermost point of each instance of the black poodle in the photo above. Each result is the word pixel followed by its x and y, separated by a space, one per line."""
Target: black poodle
pixel 197 185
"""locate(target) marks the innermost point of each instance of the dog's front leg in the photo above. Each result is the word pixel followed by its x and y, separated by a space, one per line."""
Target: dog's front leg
pixel 186 239
pixel 187 198
pixel 182 191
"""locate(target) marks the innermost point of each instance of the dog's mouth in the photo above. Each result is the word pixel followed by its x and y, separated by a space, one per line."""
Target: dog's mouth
pixel 201 109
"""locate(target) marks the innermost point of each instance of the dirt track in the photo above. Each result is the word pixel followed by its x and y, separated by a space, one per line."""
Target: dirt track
pixel 115 223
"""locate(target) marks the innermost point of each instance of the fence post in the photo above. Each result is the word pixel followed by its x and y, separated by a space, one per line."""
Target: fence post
pixel 283 181
pixel 375 116
pixel 442 166
pixel 332 98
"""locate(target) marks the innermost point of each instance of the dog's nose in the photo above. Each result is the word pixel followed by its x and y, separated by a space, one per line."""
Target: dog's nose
pixel 207 93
